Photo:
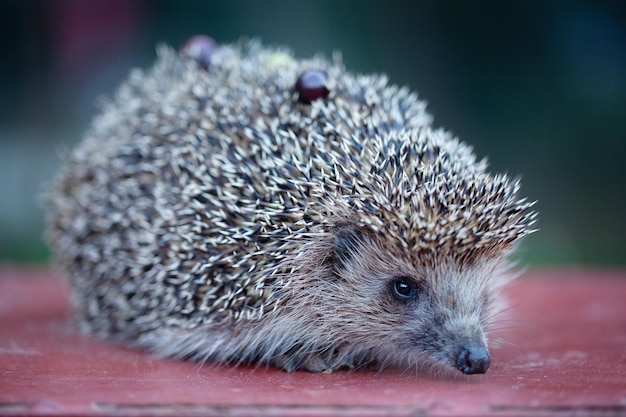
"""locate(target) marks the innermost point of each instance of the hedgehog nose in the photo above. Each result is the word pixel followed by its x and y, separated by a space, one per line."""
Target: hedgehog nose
pixel 473 358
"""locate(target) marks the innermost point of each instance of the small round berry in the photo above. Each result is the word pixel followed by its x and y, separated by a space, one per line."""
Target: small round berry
pixel 312 85
pixel 200 48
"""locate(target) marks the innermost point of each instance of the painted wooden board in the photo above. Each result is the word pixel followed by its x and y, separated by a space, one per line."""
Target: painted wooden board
pixel 563 352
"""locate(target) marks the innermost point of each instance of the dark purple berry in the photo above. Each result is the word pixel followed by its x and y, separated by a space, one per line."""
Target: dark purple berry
pixel 312 85
pixel 200 48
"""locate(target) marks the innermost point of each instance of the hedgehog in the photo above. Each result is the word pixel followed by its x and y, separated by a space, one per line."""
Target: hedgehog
pixel 236 205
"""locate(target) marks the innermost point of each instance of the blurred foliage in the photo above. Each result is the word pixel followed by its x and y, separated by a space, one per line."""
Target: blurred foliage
pixel 538 86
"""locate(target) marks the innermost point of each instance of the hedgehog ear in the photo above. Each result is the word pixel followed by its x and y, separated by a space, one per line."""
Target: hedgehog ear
pixel 347 240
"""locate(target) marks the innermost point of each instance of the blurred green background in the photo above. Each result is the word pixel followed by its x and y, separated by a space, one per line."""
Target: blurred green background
pixel 537 86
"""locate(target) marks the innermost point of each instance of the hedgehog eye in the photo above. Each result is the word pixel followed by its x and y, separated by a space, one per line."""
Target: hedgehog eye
pixel 404 288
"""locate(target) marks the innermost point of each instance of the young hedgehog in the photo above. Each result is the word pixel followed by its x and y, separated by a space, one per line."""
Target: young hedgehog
pixel 237 205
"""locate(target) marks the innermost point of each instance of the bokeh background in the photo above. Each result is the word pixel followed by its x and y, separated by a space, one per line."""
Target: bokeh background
pixel 537 86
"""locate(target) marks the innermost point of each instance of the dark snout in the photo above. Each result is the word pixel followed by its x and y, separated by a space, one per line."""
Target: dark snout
pixel 473 358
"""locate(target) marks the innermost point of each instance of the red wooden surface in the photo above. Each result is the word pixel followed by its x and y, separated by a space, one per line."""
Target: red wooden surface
pixel 565 353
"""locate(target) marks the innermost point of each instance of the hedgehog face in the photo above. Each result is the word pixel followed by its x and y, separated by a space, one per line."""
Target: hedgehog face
pixel 446 317
pixel 409 309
